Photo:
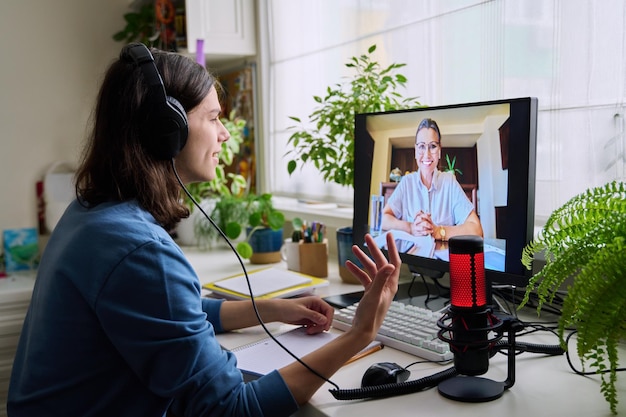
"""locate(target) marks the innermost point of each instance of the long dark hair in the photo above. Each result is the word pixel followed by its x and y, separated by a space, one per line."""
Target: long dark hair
pixel 115 165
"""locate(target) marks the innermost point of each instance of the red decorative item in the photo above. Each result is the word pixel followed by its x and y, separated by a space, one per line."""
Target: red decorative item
pixel 165 11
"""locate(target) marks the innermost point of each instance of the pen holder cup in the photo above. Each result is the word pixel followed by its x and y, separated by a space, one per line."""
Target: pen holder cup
pixel 314 259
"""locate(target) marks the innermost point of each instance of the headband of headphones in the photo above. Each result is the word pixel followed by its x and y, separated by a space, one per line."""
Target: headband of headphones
pixel 165 130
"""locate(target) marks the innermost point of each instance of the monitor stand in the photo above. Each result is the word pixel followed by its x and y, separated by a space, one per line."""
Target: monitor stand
pixel 430 273
pixel 417 295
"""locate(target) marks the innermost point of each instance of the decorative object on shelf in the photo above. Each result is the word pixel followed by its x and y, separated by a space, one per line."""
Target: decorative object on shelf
pixel 21 249
pixel 58 193
pixel 450 163
pixel 329 144
pixel 585 239
pixel 200 59
pixel 158 23
pixel 395 175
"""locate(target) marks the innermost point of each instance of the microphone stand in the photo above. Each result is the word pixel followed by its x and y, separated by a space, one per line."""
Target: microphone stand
pixel 477 389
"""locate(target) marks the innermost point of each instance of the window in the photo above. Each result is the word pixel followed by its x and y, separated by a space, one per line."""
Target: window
pixel 571 55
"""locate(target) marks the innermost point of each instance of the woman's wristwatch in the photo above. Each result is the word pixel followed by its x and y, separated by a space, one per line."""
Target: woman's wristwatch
pixel 442 233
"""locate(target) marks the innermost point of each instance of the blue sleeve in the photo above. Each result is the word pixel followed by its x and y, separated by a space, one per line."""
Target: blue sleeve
pixel 211 306
pixel 152 311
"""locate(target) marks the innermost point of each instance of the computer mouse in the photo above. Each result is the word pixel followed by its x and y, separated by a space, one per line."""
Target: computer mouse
pixel 384 373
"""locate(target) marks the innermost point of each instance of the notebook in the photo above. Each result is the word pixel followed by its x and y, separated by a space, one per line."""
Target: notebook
pixel 263 356
pixel 266 283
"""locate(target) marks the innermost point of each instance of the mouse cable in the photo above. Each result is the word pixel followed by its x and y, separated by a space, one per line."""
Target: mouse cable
pixel 391 390
pixel 245 273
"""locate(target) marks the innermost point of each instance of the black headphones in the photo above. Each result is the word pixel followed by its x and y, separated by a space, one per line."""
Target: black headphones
pixel 165 131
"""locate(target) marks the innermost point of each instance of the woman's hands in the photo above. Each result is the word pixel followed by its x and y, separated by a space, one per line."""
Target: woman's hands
pixel 312 312
pixel 379 277
pixel 422 224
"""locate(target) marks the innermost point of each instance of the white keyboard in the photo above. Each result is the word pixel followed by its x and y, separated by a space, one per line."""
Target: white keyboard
pixel 406 327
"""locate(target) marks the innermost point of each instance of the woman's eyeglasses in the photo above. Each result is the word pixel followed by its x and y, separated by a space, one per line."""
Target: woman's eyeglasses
pixel 432 147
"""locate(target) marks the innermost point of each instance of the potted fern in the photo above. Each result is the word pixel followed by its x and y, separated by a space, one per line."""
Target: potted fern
pixel 585 240
pixel 326 139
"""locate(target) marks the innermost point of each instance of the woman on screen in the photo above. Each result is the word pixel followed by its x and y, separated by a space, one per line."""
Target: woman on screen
pixel 430 202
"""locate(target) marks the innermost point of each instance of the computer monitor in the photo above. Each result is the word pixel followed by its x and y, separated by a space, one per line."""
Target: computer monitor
pixel 490 146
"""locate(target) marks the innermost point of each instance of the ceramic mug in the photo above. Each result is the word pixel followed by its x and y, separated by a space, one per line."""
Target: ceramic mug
pixel 290 253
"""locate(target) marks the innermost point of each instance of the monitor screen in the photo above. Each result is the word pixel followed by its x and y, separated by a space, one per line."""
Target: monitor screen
pixel 470 169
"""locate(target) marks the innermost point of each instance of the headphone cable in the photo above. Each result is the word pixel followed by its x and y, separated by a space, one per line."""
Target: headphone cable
pixel 245 273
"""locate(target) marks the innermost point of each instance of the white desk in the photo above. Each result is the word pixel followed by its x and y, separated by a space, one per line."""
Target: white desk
pixel 543 385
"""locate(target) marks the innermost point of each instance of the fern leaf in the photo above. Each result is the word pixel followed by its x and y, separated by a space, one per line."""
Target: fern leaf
pixel 585 240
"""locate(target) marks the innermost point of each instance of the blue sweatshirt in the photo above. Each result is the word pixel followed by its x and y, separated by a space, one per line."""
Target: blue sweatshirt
pixel 117 327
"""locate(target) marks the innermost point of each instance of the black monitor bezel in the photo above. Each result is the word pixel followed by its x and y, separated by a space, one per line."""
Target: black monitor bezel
pixel 523 121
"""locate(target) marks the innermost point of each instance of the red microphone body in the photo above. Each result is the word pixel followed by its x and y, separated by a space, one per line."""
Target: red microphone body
pixel 467 324
pixel 470 317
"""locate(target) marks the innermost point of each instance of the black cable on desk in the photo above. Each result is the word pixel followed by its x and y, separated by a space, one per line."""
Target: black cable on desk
pixel 390 390
pixel 521 347
pixel 245 273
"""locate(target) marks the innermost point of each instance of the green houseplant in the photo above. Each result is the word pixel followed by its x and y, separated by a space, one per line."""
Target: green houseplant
pixel 326 138
pixel 222 187
pixel 585 240
pixel 264 226
pixel 450 166
pixel 140 25
pixel 329 144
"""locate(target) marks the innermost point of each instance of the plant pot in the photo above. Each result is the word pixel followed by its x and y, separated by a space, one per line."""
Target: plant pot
pixel 266 244
pixel 344 253
pixel 186 228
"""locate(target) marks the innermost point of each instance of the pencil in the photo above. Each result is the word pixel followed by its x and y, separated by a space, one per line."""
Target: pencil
pixel 364 353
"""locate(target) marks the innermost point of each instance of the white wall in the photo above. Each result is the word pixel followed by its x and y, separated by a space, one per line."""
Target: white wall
pixel 54 54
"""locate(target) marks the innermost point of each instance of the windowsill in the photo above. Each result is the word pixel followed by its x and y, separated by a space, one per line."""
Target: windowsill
pixel 331 214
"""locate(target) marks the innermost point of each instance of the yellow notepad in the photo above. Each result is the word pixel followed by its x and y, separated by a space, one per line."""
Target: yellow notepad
pixel 266 283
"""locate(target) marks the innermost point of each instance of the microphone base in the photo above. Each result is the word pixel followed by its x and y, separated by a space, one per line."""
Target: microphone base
pixel 471 389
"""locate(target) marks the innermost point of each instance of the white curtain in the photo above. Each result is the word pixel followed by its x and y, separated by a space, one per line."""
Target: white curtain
pixel 571 54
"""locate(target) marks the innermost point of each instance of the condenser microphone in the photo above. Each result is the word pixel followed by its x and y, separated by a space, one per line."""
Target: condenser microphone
pixel 468 321
pixel 468 305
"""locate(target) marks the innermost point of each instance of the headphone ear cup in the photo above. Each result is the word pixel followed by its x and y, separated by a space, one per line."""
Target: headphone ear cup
pixel 167 129
pixel 181 119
